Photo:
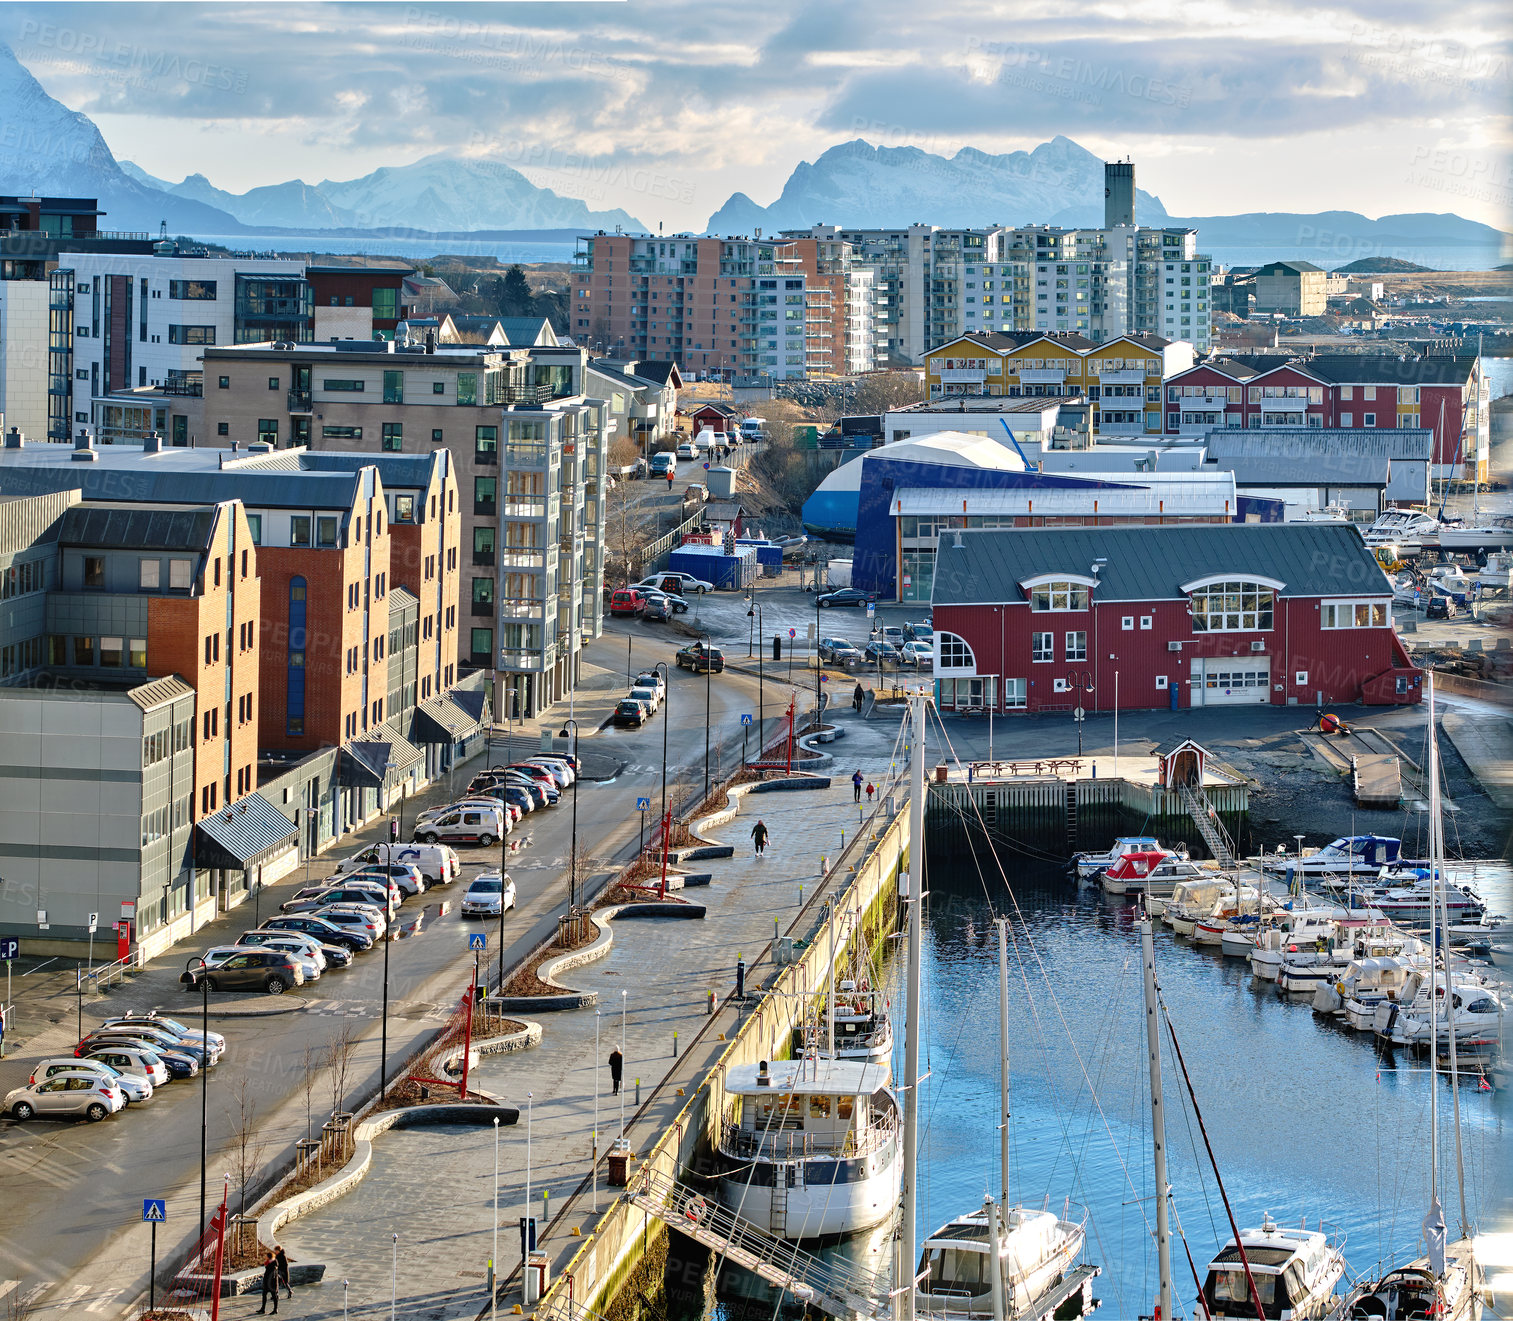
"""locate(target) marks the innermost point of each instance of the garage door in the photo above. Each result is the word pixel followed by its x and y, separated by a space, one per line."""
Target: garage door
pixel 1233 682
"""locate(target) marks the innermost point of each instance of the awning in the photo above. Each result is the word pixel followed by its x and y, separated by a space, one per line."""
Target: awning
pixel 452 716
pixel 243 835
pixel 379 759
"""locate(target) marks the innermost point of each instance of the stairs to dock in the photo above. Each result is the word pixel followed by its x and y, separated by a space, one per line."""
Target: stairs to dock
pixel 1209 825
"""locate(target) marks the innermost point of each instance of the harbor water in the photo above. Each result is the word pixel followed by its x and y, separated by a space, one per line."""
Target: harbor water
pixel 1306 1118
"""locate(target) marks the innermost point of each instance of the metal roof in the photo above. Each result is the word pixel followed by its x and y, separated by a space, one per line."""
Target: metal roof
pixel 1150 563
pixel 243 833
pixel 394 470
pixel 155 692
pixel 1318 444
pixel 449 719
pixel 1320 470
pixel 1156 494
pixel 384 753
pixel 138 528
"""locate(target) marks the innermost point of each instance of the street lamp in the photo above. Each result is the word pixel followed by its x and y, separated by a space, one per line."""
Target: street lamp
pixel 204 1073
pixel 572 875
pixel 754 608
pixel 383 1050
pixel 708 671
pixel 494 1261
pixel 1079 681
pixel 622 1068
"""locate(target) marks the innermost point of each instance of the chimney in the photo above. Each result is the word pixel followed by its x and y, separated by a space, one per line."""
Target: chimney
pixel 154 442
pixel 14 439
pixel 84 447
pixel 430 341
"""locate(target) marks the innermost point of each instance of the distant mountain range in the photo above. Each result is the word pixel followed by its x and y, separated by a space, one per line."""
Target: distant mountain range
pixel 54 150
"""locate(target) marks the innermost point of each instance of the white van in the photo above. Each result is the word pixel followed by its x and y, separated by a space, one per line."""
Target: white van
pixel 753 428
pixel 467 825
pixel 436 862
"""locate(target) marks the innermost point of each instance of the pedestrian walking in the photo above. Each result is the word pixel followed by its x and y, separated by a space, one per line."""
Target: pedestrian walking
pixel 616 1068
pixel 857 697
pixel 870 791
pixel 281 1259
pixel 270 1283
pixel 671 478
pixel 759 834
pixel 856 787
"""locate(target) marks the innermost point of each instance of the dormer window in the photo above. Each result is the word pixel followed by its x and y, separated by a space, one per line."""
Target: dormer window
pixel 1059 594
pixel 1233 605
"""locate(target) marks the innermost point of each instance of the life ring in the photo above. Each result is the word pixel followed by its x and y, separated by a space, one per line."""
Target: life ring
pixel 693 1210
pixel 864 986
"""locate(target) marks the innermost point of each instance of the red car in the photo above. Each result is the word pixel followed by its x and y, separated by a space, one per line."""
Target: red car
pixel 627 601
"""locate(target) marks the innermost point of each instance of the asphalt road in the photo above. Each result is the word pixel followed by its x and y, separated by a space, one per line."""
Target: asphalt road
pixel 70 1223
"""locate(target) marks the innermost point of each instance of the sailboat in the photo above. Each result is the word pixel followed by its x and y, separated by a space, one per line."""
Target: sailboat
pixel 1446 1282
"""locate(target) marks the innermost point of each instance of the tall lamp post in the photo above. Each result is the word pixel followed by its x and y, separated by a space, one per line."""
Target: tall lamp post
pixel 204 1073
pixel 572 874
pixel 1080 681
pixel 666 806
pixel 755 609
pixel 708 670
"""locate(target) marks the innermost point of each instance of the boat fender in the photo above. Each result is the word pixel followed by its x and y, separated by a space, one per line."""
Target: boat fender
pixel 694 1209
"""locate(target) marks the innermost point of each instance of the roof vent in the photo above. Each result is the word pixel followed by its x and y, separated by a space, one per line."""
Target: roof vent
pixel 14 439
pixel 153 442
pixel 84 447
pixel 764 1079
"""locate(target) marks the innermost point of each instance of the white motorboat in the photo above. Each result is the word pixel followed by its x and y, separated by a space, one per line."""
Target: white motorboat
pixel 1238 920
pixel 1336 862
pixel 1300 918
pixel 1303 970
pixel 1192 901
pixel 1089 865
pixel 1036 1250
pixel 1496 575
pixel 1296 1273
pixel 1490 931
pixel 810 1147
pixel 1366 983
pixel 1152 873
pixel 1411 529
pixel 1476 1013
pixel 1406 894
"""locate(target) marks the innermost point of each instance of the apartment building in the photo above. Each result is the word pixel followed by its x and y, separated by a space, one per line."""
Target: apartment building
pixel 528 455
pixel 1292 288
pixel 640 398
pixel 1446 395
pixel 733 306
pixel 1122 378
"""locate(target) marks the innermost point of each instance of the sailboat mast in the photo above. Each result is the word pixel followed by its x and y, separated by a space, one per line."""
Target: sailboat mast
pixel 1437 868
pixel 830 987
pixel 909 1241
pixel 1158 1117
pixel 1433 953
pixel 1003 1062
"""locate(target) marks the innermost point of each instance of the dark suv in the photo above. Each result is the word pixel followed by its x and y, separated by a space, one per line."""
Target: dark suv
pixel 271 971
pixel 701 659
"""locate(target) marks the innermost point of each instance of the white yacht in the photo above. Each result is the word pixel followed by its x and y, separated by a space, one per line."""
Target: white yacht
pixel 1337 861
pixel 1036 1250
pixel 1197 901
pixel 1303 970
pixel 1496 575
pixel 1419 1017
pixel 1366 983
pixel 1415 1290
pixel 1296 1273
pixel 1483 535
pixel 1411 529
pixel 1405 895
pixel 810 1147
pixel 1300 918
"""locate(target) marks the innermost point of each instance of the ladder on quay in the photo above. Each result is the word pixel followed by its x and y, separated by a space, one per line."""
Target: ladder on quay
pixel 1209 825
pixel 1071 815
pixel 842 1290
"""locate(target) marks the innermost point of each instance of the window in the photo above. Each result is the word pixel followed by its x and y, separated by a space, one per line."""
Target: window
pixel 84 651
pixel 223 383
pixel 94 571
pixel 325 530
pixel 343 385
pixel 483 591
pixel 1014 694
pixel 1368 419
pixel 191 334
pixel 1127 623
pixel 1042 646
pixel 438 387
pixel 299 530
pixel 267 431
pixel 953 653
pixel 394 387
pixel 111 651
pixel 467 393
pixel 436 435
pixel 191 291
pixel 483 545
pixel 1076 646
pixel 1145 622
pixel 486 444
pixel 223 428
pixel 404 508
pixel 1353 614
pixel 1059 596
pixel 294 678
pixel 255 527
pixel 393 436
pixel 137 655
pixel 1347 419
pixel 180 575
pixel 341 433
pixel 1231 607
pixel 484 492
pixel 483 646
pixel 1161 681
pixel 1300 678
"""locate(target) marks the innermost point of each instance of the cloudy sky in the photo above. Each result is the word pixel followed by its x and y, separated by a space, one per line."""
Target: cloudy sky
pixel 667 108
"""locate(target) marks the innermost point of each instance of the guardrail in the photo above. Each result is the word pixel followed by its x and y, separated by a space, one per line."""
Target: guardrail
pixel 650 555
pixel 115 972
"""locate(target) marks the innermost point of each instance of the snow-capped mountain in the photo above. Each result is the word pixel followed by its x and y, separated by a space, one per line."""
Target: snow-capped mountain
pixel 294 204
pixel 51 150
pixel 857 184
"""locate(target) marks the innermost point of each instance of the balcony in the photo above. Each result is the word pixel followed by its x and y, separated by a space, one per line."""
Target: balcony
pixel 519 658
pixel 527 455
pixel 1195 403
pixel 1043 377
pixel 523 506
pixel 525 607
pixel 523 557
pixel 1122 377
pixel 300 402
pixel 189 387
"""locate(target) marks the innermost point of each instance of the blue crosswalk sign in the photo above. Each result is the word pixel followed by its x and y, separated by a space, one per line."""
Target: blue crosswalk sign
pixel 154 1209
pixel 643 804
pixel 477 940
pixel 746 719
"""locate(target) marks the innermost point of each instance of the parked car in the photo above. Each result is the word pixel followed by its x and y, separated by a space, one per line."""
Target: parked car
pixel 271 971
pixel 662 463
pixel 893 635
pixel 314 897
pixel 626 601
pixel 178 1063
pixel 349 917
pixel 330 933
pixel 558 766
pixel 151 1018
pixel 921 632
pixel 695 493
pixel 483 897
pixel 630 712
pixel 66 1096
pixel 1440 607
pixel 845 596
pixel 136 1086
pixel 652 679
pixel 885 652
pixel 688 450
pixel 837 651
pixel 328 955
pixel 918 653
pixel 658 609
pixel 405 876
pixel 131 1060
pixel 676 583
pixel 650 696
pixel 700 658
pixel 390 860
pixel 676 605
pixel 160 1039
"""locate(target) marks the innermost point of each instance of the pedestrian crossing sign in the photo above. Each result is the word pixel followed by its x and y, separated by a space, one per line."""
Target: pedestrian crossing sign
pixel 746 719
pixel 643 804
pixel 154 1209
pixel 477 940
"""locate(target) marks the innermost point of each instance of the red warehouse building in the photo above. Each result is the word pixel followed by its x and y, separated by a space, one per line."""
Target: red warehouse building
pixel 1038 619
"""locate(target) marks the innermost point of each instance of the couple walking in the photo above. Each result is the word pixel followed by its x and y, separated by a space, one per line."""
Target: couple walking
pixel 275 1277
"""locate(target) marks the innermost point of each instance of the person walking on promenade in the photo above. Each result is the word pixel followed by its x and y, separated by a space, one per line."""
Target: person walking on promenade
pixel 856 787
pixel 759 834
pixel 616 1066
pixel 870 791
pixel 270 1283
pixel 281 1260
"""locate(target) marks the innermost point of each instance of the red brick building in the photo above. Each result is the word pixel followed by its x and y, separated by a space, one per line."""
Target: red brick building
pixel 1345 391
pixel 1200 615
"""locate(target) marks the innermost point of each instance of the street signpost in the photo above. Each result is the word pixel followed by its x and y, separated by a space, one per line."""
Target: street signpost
pixel 155 1213
pixel 745 729
pixel 477 940
pixel 643 806
pixel 94 922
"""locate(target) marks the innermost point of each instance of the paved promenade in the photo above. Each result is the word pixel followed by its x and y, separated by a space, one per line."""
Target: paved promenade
pixel 434 1188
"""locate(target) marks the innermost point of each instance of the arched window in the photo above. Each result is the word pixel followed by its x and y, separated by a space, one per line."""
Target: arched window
pixel 294 681
pixel 1233 605
pixel 954 653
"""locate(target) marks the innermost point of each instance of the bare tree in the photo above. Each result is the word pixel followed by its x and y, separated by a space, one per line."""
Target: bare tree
pixel 310 1065
pixel 338 1061
pixel 247 1143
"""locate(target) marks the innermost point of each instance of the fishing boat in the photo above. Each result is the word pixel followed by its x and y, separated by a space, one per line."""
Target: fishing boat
pixel 1293 1273
pixel 1154 872
pixel 809 1147
pixel 1089 865
pixel 1446 1282
pixel 1001 1260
